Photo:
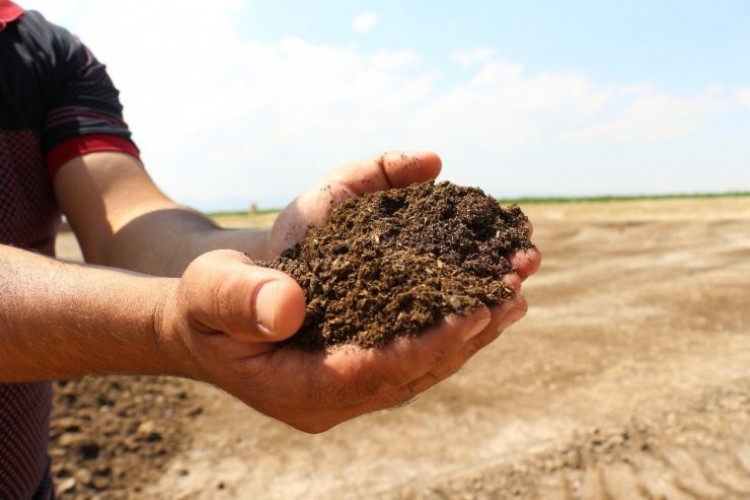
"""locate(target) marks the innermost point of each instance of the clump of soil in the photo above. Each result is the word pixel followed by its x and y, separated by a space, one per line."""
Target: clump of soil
pixel 395 262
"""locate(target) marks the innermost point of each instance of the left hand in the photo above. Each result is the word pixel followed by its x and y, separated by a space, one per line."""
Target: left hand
pixel 313 208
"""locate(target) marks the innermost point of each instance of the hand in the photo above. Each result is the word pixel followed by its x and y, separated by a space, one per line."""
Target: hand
pixel 389 170
pixel 313 208
pixel 210 329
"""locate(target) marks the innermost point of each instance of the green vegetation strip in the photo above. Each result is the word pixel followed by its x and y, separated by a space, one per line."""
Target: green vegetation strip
pixel 552 199
pixel 607 198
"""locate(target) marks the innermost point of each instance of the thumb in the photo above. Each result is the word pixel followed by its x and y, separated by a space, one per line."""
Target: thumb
pixel 249 303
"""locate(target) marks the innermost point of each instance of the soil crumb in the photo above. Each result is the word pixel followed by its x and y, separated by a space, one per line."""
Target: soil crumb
pixel 395 262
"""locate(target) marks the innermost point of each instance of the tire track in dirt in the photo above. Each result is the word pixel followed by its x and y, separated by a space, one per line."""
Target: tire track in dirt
pixel 701 453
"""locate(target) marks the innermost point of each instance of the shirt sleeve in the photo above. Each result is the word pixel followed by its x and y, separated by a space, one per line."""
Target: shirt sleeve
pixel 83 112
pixel 84 144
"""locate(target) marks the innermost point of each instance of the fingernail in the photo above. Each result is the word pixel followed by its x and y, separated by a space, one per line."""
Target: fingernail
pixel 265 306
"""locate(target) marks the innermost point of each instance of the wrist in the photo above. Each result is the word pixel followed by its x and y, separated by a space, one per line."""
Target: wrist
pixel 166 327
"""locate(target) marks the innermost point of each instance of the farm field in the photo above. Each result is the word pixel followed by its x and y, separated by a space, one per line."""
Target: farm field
pixel 629 378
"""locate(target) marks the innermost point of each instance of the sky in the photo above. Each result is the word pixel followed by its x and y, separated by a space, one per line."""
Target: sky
pixel 238 102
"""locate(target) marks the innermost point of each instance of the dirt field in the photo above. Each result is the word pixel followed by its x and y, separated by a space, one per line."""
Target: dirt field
pixel 629 378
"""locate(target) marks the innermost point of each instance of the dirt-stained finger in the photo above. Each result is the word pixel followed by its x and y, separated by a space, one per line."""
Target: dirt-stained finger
pixel 503 317
pixel 388 170
pixel 526 262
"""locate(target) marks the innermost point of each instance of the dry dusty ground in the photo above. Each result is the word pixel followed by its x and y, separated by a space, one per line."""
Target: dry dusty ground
pixel 629 378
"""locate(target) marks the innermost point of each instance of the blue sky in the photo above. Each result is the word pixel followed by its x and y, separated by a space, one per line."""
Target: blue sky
pixel 234 102
pixel 665 42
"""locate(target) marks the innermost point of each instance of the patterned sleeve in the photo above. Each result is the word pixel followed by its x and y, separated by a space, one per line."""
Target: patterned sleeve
pixel 83 111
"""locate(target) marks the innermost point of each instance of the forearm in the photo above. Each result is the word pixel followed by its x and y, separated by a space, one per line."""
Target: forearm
pixel 122 219
pixel 164 242
pixel 60 320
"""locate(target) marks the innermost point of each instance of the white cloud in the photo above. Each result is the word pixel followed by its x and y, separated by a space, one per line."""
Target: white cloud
pixel 743 95
pixel 472 57
pixel 365 22
pixel 500 108
pixel 643 113
pixel 224 121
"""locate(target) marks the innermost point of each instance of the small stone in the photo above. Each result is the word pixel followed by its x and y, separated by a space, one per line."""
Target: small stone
pixel 100 483
pixel 68 439
pixel 83 476
pixel 146 428
pixel 67 424
pixel 147 432
pixel 67 485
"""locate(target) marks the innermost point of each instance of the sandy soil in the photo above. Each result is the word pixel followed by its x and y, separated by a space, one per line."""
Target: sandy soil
pixel 629 378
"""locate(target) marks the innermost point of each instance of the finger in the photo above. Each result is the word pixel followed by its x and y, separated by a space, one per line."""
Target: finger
pixel 478 334
pixel 375 379
pixel 503 317
pixel 383 172
pixel 369 376
pixel 431 348
pixel 355 381
pixel 513 280
pixel 251 304
pixel 526 262
pixel 314 206
pixel 388 170
pixel 529 228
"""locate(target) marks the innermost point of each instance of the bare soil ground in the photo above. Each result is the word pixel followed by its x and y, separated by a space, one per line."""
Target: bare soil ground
pixel 629 378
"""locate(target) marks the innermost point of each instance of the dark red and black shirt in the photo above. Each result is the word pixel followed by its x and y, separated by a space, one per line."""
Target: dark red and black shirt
pixel 56 103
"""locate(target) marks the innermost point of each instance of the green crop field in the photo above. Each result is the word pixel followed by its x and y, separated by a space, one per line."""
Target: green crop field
pixel 613 198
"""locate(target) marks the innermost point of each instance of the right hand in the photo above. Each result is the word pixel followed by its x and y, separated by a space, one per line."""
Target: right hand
pixel 215 325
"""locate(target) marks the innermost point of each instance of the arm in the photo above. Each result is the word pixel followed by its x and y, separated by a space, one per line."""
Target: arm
pixel 222 319
pixel 122 219
pixel 217 324
pixel 63 320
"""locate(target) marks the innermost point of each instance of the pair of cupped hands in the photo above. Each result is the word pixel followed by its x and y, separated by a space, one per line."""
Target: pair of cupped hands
pixel 225 317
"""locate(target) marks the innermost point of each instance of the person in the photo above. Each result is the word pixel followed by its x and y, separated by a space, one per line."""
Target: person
pixel 163 289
